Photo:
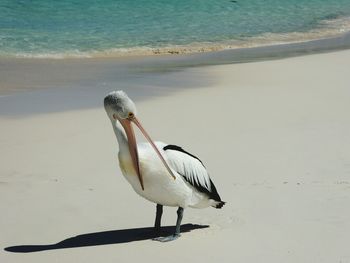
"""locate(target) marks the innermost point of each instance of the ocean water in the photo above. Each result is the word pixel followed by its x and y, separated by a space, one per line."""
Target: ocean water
pixel 88 28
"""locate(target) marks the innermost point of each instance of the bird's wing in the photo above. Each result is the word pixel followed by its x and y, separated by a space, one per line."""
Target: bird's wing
pixel 188 166
pixel 191 169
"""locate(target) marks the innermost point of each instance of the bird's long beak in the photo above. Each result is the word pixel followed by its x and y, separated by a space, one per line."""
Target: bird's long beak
pixel 126 123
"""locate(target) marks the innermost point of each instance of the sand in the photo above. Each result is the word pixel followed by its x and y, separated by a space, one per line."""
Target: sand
pixel 274 136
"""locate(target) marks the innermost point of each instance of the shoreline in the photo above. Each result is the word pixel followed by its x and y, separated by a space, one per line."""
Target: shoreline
pixel 334 41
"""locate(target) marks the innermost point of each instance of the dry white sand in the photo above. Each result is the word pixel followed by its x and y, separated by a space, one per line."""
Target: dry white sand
pixel 274 135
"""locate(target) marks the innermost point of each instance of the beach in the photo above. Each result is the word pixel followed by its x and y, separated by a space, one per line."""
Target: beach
pixel 273 134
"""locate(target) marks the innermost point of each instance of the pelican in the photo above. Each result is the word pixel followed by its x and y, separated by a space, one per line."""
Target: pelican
pixel 164 174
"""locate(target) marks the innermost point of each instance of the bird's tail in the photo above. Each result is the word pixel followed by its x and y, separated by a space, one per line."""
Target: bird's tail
pixel 218 204
pixel 214 195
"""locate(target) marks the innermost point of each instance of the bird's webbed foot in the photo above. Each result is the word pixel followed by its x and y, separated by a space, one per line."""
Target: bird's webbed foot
pixel 174 236
pixel 167 238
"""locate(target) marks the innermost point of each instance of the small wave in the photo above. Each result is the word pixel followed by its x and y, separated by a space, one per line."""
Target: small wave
pixel 327 28
pixel 51 55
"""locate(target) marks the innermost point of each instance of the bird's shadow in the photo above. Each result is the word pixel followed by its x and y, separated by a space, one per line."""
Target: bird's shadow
pixel 104 238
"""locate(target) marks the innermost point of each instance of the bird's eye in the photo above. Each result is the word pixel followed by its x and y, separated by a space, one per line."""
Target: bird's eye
pixel 131 115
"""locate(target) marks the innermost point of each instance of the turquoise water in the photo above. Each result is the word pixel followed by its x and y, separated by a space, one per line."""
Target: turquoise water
pixel 50 28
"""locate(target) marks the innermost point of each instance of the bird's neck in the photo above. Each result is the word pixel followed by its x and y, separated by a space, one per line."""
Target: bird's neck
pixel 121 137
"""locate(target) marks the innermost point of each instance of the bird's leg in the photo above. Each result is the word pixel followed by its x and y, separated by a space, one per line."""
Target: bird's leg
pixel 180 212
pixel 158 218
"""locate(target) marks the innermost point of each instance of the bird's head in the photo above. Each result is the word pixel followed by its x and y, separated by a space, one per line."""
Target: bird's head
pixel 120 107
